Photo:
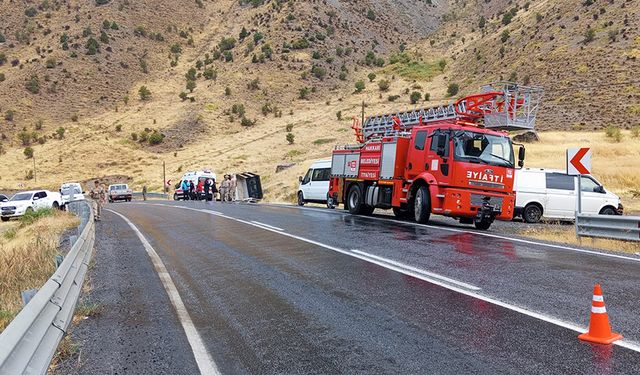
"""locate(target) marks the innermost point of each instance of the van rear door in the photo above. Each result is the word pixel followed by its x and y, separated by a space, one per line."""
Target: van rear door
pixel 561 196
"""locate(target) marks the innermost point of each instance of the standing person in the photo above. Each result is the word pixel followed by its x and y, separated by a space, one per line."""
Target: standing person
pixel 185 190
pixel 224 186
pixel 192 191
pixel 233 184
pixel 214 189
pixel 144 193
pixel 207 185
pixel 98 197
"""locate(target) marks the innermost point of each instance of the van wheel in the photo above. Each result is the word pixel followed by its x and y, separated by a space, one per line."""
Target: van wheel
pixel 608 211
pixel 422 205
pixel 532 213
pixel 55 206
pixel 482 225
pixel 175 196
pixel 330 204
pixel 355 200
pixel 300 199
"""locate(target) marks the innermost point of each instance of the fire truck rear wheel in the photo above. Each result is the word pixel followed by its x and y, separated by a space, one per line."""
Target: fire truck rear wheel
pixel 422 205
pixel 354 198
pixel 300 199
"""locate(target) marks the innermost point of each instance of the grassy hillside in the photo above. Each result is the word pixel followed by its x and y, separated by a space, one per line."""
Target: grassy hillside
pixel 226 81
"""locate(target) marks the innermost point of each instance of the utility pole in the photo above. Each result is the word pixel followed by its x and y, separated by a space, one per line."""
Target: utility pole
pixel 362 120
pixel 35 180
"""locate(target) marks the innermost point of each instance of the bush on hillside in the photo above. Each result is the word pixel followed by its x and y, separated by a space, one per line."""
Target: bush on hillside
pixel 28 152
pixel 415 97
pixel 452 89
pixel 359 86
pixel 144 92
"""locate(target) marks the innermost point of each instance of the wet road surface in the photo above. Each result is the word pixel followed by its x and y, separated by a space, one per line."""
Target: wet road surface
pixel 275 290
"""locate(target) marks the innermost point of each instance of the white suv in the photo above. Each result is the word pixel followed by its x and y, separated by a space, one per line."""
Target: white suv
pixel 26 201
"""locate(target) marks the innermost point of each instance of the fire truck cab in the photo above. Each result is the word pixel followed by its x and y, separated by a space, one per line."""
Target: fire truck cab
pixel 421 163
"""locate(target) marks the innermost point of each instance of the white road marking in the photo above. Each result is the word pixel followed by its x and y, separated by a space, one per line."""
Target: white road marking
pixel 546 318
pixel 418 270
pixel 206 365
pixel 267 225
pixel 459 230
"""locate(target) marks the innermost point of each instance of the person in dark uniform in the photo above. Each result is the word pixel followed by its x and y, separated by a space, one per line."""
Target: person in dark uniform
pixel 207 186
pixel 192 191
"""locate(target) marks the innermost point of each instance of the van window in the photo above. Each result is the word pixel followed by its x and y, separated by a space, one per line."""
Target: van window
pixel 307 177
pixel 421 138
pixel 322 174
pixel 560 181
pixel 588 185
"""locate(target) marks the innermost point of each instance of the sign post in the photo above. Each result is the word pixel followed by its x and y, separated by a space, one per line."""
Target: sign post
pixel 578 164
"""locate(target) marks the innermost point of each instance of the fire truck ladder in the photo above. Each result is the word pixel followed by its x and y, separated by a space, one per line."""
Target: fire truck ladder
pixel 499 106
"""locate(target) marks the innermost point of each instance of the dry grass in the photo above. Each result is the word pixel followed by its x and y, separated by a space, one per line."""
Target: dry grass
pixel 614 163
pixel 566 235
pixel 26 258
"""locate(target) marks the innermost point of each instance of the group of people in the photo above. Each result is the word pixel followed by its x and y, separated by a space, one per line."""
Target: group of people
pixel 207 190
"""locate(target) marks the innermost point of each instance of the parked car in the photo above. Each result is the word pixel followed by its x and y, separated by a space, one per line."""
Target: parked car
pixel 71 192
pixel 198 179
pixel 119 192
pixel 314 186
pixel 546 193
pixel 24 202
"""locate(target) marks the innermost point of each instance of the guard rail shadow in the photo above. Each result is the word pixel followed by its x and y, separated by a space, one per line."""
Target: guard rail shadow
pixel 29 343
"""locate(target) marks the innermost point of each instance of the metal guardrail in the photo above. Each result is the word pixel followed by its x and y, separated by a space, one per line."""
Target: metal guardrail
pixel 28 344
pixel 151 195
pixel 608 226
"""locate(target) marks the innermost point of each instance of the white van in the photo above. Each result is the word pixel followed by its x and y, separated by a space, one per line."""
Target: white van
pixel 546 193
pixel 314 186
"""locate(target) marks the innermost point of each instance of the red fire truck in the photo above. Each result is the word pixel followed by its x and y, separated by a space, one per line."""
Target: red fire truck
pixel 455 160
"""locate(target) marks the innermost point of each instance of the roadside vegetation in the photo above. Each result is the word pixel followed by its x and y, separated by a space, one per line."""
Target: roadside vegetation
pixel 565 234
pixel 27 250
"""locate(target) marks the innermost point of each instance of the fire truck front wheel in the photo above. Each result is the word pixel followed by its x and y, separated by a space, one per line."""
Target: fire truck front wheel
pixel 422 205
pixel 355 201
pixel 482 225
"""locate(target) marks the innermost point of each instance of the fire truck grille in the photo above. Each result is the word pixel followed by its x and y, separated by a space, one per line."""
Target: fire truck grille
pixel 478 200
pixel 486 184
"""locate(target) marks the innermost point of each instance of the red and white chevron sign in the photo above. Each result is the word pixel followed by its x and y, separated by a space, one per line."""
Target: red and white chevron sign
pixel 578 161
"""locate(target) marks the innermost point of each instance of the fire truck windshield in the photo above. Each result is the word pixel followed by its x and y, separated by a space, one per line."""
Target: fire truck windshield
pixel 483 148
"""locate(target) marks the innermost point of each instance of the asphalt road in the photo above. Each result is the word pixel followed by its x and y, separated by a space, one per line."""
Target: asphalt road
pixel 279 289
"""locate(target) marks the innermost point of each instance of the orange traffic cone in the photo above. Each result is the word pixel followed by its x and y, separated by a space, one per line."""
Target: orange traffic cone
pixel 599 327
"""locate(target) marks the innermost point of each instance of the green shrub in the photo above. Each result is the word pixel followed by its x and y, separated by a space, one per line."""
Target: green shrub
pixel 92 46
pixel 415 97
pixel 30 12
pixel 614 133
pixel 134 136
pixel 176 49
pixel 504 36
pixel 393 98
pixel 210 73
pixel 383 85
pixel 227 91
pixel 226 44
pixel 33 84
pixel 156 138
pixel 238 109
pixel 371 15
pixel 319 72
pixel 290 138
pixel 371 76
pixel 359 86
pixel 339 115
pixel 104 38
pixel 50 63
pixel 60 132
pixel 589 35
pixel 118 128
pixel 32 215
pixel 2 38
pixel 246 122
pixel 452 89
pixel 191 85
pixel 28 152
pixel 144 92
pixel 2 77
pixel 304 93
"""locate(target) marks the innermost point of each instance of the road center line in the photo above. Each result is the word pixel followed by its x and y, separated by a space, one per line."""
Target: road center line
pixel 418 270
pixel 267 225
pixel 631 345
pixel 205 363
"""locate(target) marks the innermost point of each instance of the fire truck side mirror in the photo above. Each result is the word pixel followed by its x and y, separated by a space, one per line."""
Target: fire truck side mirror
pixel 521 153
